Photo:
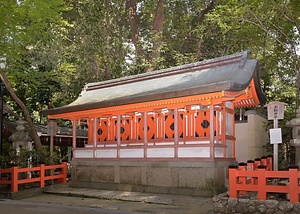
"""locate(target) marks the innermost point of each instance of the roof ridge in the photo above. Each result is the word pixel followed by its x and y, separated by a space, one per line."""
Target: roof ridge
pixel 240 56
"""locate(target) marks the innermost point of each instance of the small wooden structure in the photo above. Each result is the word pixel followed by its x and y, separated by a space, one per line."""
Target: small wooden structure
pixel 181 114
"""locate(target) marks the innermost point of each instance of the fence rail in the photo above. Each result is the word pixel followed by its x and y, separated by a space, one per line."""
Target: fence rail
pixel 258 178
pixel 38 175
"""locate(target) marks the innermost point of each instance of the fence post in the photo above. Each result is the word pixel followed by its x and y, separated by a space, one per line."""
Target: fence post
pixel 262 182
pixel 293 184
pixel 42 175
pixel 243 180
pixel 257 162
pixel 233 193
pixel 251 165
pixel 14 178
pixel 264 161
pixel 270 162
pixel 64 172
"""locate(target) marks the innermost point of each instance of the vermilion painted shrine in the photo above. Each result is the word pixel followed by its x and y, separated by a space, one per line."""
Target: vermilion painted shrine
pixel 177 122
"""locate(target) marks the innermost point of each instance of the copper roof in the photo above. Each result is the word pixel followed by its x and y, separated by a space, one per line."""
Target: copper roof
pixel 228 73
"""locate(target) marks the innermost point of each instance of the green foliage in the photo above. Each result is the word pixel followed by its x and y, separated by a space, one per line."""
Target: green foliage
pixel 28 157
pixel 6 156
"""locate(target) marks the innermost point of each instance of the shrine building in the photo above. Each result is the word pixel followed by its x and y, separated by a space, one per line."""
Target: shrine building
pixel 165 131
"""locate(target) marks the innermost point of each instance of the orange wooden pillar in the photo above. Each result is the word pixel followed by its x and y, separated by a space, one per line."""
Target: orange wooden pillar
pixel 223 128
pixel 118 133
pixel 294 184
pixel 90 131
pixel 189 121
pixel 108 129
pixel 145 133
pixel 184 125
pixel 251 166
pixel 233 132
pixel 113 128
pixel 257 162
pixel 270 162
pixel 176 141
pixel 242 180
pixel 64 172
pixel 133 127
pixel 158 123
pixel 14 179
pixel 211 132
pixel 262 182
pixel 95 127
pixel 264 161
pixel 233 180
pixel 42 175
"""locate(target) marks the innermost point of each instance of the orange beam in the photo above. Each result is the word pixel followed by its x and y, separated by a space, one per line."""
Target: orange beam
pixel 203 99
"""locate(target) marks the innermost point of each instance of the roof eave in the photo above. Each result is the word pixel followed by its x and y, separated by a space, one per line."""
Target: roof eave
pixel 216 87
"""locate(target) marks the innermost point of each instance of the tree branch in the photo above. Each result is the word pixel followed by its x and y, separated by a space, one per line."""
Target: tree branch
pixel 32 130
pixel 158 30
pixel 131 6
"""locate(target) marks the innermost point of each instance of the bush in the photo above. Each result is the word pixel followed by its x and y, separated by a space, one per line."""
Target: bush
pixel 28 157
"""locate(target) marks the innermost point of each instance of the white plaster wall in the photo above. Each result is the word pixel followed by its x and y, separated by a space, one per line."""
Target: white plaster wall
pixel 131 153
pixel 107 153
pixel 83 153
pixel 250 138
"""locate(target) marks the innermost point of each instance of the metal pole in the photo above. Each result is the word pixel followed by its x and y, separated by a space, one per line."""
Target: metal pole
pixel 275 148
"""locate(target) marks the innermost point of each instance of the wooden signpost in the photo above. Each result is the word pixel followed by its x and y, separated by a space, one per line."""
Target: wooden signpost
pixel 275 113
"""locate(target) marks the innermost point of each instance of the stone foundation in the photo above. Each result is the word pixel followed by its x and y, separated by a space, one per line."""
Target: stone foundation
pixel 224 204
pixel 196 178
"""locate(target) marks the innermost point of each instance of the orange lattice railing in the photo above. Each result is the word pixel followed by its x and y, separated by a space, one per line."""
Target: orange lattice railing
pixel 258 176
pixel 37 175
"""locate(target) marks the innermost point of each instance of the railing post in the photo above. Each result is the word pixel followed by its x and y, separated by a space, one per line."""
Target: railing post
pixel 233 193
pixel 270 162
pixel 251 165
pixel 257 162
pixel 243 180
pixel 262 182
pixel 264 161
pixel 14 178
pixel 293 184
pixel 64 172
pixel 42 175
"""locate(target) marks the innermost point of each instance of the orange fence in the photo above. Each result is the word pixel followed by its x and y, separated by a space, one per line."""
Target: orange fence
pixel 254 176
pixel 39 175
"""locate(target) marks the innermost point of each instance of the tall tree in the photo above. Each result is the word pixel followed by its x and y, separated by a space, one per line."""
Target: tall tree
pixel 25 25
pixel 32 129
pixel 153 43
pixel 280 21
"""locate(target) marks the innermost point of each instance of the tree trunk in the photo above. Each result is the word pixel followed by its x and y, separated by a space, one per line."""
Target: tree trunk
pixel 32 131
pixel 131 6
pixel 157 33
pixel 108 36
pixel 158 25
pixel 208 8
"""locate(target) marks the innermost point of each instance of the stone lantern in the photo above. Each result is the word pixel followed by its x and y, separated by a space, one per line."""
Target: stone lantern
pixel 295 124
pixel 20 138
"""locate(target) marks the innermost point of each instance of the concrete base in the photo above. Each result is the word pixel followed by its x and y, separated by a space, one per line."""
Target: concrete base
pixel 21 194
pixel 196 178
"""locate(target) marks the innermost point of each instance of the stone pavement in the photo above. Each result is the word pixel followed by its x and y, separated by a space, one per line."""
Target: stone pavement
pixel 130 201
